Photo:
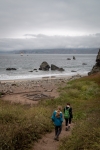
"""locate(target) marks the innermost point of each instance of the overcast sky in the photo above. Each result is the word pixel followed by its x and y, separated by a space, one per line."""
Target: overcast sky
pixel 29 24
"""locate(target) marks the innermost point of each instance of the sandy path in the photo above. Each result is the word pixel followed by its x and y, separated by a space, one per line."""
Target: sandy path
pixel 48 143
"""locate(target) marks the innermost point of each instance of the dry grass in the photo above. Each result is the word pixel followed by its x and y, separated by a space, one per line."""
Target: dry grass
pixel 21 125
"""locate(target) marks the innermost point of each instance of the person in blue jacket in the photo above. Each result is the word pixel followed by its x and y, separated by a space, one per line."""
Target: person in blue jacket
pixel 57 118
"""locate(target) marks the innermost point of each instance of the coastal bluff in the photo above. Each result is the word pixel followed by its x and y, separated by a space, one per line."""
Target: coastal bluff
pixel 96 67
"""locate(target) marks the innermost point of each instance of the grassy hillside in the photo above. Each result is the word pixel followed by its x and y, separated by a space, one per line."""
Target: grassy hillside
pixel 84 94
pixel 20 125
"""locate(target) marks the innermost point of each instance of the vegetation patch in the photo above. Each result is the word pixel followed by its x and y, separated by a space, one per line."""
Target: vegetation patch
pixel 86 107
pixel 21 126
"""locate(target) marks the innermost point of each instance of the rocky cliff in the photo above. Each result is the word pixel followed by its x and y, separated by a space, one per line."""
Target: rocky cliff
pixel 96 67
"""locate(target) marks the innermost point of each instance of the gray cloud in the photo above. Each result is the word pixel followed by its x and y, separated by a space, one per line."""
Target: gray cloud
pixel 44 42
pixel 48 23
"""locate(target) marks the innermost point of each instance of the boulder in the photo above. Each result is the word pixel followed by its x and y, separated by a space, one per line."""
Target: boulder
pixel 44 66
pixel 73 71
pixel 61 69
pixel 96 67
pixel 84 64
pixel 35 69
pixel 9 69
pixel 74 57
pixel 30 71
pixel 54 67
pixel 2 94
pixel 68 58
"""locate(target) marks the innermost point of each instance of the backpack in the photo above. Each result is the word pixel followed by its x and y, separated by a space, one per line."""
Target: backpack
pixel 66 114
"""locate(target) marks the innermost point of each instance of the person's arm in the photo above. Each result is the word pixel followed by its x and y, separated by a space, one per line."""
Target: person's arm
pixel 53 116
pixel 71 114
pixel 62 117
pixel 64 110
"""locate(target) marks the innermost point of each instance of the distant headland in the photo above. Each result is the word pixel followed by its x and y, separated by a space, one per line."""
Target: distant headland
pixel 54 51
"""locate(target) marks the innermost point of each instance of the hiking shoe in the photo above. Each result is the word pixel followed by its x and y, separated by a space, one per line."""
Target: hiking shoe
pixel 57 139
pixel 68 127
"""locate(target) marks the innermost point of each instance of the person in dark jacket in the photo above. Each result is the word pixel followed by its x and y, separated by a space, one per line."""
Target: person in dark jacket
pixel 57 118
pixel 68 120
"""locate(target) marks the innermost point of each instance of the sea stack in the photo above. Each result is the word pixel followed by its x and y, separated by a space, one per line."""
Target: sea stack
pixel 96 67
pixel 44 66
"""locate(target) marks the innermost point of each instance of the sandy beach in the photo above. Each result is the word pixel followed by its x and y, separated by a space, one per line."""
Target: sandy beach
pixel 30 92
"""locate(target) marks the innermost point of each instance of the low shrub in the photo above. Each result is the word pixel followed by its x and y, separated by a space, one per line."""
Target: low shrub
pixel 86 132
pixel 20 126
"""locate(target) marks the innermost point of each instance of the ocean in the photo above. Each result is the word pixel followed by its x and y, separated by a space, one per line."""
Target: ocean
pixel 26 63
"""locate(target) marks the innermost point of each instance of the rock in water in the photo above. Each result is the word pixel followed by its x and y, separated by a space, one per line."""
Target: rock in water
pixel 54 67
pixel 74 57
pixel 44 66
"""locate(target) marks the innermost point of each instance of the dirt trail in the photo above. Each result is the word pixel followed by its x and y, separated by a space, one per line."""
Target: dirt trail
pixel 48 143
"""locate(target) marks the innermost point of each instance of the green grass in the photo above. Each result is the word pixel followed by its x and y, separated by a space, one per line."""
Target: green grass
pixel 21 125
pixel 86 107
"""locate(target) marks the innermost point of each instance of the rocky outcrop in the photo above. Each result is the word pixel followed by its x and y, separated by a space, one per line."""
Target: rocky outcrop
pixel 73 71
pixel 9 69
pixel 44 66
pixel 96 67
pixel 74 57
pixel 84 64
pixel 2 94
pixel 54 67
pixel 68 58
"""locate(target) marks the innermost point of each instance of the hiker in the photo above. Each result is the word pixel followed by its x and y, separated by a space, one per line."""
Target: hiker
pixel 68 116
pixel 57 118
